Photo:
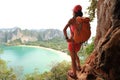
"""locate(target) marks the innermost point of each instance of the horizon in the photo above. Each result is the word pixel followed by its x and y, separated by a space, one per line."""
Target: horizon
pixel 28 29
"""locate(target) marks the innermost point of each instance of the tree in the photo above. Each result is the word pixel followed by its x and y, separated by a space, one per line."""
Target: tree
pixel 6 73
pixel 92 9
pixel 58 72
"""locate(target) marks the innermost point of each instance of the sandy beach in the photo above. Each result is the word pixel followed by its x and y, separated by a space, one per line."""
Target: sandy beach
pixel 65 55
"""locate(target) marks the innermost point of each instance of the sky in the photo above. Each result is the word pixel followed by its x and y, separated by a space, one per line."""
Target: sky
pixel 38 14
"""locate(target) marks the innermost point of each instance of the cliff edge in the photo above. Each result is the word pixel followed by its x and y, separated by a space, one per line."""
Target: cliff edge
pixel 103 63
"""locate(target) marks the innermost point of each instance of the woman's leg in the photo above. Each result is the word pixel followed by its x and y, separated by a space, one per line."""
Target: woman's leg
pixel 73 58
pixel 78 62
pixel 77 58
pixel 71 47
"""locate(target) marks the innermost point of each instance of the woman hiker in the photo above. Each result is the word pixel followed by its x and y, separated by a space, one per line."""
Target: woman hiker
pixel 73 47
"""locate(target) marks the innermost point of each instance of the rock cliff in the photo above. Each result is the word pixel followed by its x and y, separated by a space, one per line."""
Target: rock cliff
pixel 103 63
pixel 8 35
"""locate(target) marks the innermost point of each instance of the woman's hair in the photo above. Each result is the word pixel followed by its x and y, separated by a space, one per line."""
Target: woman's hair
pixel 78 13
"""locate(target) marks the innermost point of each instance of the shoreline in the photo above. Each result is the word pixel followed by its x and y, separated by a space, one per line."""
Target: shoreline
pixel 65 55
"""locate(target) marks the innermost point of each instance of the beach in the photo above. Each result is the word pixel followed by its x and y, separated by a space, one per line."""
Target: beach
pixel 65 55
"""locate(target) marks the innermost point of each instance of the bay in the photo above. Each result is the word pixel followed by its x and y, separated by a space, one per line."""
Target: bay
pixel 27 59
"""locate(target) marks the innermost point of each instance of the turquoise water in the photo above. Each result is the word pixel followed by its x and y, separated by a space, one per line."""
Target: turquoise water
pixel 27 59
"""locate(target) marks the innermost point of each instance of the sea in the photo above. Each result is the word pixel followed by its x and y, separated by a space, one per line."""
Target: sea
pixel 27 59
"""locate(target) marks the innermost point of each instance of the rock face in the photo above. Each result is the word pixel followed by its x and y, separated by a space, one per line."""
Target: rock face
pixel 108 47
pixel 8 35
pixel 104 62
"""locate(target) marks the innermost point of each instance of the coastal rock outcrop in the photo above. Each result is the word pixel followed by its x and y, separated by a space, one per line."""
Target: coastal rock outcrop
pixel 17 34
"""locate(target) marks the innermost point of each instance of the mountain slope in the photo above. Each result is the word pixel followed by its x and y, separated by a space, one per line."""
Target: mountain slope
pixel 8 35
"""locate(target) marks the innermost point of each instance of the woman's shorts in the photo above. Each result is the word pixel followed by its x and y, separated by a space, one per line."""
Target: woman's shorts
pixel 73 46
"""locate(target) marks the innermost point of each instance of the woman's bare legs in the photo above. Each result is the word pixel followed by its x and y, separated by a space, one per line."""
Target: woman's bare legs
pixel 78 62
pixel 73 58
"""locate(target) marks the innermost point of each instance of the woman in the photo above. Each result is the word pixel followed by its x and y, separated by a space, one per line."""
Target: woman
pixel 72 46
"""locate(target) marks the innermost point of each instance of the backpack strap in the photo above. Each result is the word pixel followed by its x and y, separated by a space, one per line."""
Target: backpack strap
pixel 79 28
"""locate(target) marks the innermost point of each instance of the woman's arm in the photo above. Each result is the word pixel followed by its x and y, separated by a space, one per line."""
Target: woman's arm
pixel 65 30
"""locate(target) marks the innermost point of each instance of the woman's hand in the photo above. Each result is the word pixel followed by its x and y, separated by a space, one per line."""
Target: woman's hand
pixel 70 39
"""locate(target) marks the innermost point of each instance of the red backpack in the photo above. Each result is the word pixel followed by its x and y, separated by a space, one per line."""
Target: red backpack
pixel 82 31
